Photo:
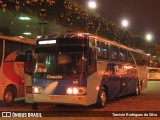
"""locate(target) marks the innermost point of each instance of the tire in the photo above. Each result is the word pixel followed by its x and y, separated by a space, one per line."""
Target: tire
pixel 140 89
pixel 136 93
pixel 8 97
pixel 102 98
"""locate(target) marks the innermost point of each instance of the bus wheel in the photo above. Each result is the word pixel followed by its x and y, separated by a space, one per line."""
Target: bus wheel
pixel 8 98
pixel 34 106
pixel 102 98
pixel 136 90
pixel 140 88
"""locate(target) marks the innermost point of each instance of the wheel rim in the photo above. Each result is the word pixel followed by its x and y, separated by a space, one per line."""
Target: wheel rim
pixel 137 90
pixel 103 97
pixel 140 89
pixel 8 96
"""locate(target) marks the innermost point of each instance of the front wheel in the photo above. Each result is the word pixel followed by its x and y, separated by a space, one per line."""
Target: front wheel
pixel 138 89
pixel 102 98
pixel 8 97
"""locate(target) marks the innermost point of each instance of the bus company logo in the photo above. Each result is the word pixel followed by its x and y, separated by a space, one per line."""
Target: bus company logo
pixel 6 114
pixel 54 77
pixel 120 70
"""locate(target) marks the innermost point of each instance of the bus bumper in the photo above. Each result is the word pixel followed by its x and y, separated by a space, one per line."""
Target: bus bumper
pixel 57 99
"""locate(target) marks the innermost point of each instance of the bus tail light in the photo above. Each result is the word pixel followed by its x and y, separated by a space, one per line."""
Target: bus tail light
pixel 28 89
pixel 76 90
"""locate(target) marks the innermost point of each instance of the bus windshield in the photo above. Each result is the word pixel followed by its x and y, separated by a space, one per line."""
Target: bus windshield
pixel 59 60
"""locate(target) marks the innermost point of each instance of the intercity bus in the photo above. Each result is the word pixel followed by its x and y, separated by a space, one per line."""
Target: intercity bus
pixel 82 69
pixel 12 56
pixel 153 73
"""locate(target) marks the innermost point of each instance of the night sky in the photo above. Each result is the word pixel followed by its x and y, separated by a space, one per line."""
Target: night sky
pixel 144 15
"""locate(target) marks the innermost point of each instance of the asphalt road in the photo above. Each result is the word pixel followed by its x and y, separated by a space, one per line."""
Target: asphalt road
pixel 148 102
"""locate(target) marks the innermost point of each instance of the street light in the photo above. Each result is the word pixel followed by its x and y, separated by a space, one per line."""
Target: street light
pixel 125 23
pixel 92 4
pixel 149 37
pixel 24 18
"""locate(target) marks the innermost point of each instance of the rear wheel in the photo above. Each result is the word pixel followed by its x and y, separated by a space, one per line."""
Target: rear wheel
pixel 140 88
pixel 137 90
pixel 102 98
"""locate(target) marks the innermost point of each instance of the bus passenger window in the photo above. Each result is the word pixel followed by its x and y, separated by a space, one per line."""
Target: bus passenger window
pixel 20 58
pixel 92 42
pixel 114 53
pixel 130 59
pixel 92 60
pixel 102 51
pixel 137 57
pixel 1 49
pixel 123 55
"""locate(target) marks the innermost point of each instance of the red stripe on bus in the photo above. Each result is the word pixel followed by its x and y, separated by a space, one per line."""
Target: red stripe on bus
pixel 8 69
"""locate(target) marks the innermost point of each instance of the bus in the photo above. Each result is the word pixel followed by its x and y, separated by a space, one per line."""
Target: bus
pixel 82 69
pixel 153 73
pixel 12 56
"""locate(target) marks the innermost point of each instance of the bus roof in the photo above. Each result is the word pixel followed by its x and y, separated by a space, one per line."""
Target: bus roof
pixel 89 35
pixel 64 35
pixel 118 44
pixel 19 39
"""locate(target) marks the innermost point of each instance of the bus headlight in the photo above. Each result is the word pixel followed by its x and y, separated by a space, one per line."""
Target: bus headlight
pixel 34 89
pixel 37 89
pixel 69 91
pixel 76 90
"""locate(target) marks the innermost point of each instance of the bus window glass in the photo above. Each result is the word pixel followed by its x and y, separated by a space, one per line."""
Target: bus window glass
pixel 130 59
pixel 123 55
pixel 136 56
pixel 102 51
pixel 91 56
pixel 92 42
pixel 92 60
pixel 60 60
pixel 114 53
pixel 1 51
pixel 17 50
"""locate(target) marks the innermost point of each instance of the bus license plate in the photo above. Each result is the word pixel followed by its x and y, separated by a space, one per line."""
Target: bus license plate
pixel 54 97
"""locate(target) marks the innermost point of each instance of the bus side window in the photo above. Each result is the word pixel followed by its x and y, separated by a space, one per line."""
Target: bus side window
pixel 114 53
pixel 129 58
pixel 102 51
pixel 1 51
pixel 138 58
pixel 92 57
pixel 21 52
pixel 20 58
pixel 123 55
pixel 144 60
